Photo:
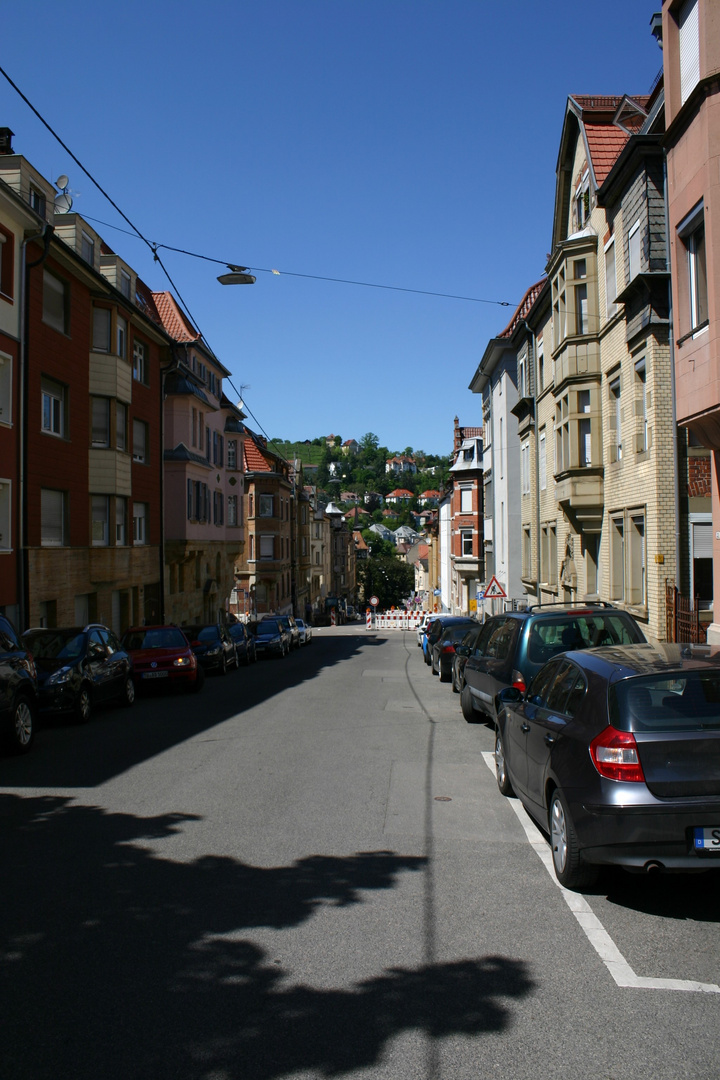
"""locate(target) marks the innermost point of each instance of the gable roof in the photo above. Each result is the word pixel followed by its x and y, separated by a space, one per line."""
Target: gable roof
pixel 173 318
pixel 522 309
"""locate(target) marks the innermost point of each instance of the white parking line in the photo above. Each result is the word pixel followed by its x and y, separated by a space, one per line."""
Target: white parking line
pixel 594 930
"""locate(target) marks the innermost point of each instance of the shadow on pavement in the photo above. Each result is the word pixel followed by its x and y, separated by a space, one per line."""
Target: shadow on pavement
pixel 117 963
pixel 67 754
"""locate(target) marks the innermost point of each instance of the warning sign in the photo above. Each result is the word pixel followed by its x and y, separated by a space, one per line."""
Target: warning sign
pixel 494 590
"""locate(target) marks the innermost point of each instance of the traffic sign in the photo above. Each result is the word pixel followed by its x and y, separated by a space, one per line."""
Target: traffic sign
pixel 494 590
pixel 374 601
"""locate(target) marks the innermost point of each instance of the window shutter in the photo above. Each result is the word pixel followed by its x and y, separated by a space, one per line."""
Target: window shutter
pixel 689 48
pixel 702 541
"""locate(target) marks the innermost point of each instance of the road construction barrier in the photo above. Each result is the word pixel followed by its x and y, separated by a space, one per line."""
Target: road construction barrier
pixel 394 620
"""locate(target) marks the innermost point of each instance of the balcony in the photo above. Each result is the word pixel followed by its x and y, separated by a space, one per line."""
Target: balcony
pixel 580 492
pixel 110 376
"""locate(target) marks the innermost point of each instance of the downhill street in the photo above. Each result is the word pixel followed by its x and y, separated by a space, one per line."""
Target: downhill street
pixel 308 871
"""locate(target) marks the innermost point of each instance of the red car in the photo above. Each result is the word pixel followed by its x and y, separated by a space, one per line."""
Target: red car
pixel 162 655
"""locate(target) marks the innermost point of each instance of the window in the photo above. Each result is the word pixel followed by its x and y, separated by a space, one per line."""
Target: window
pixel 634 251
pixel 120 520
pixel 701 540
pixel 542 465
pixel 525 467
pixel 140 516
pixel 265 505
pixel 615 421
pixel 689 48
pixel 5 515
pixel 7 263
pixel 466 499
pixel 101 329
pixel 218 447
pixel 610 278
pixel 87 248
pixel 232 504
pixel 562 433
pixel 267 547
pixel 218 508
pixel 584 429
pixel 691 232
pixel 125 284
pixel 120 426
pixel 6 373
pixel 466 542
pixel 232 454
pixel 56 300
pixel 523 387
pixel 548 554
pixel 251 555
pixel 582 201
pixel 139 362
pixel 54 407
pixel 208 444
pixel 581 297
pixel 526 552
pixel 37 201
pixel 120 336
pixel 100 421
pixel 53 525
pixel 541 364
pixel 559 308
pixel 100 519
pixel 501 449
pixel 641 406
pixel 140 441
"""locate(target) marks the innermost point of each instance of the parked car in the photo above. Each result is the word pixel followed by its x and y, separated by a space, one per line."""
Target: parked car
pixel 18 689
pixel 422 626
pixel 614 752
pixel 462 650
pixel 512 647
pixel 212 645
pixel 443 650
pixel 162 654
pixel 244 643
pixel 305 631
pixel 292 628
pixel 434 629
pixel 80 667
pixel 271 637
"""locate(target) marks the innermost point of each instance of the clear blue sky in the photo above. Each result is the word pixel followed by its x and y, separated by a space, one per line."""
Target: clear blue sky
pixel 400 142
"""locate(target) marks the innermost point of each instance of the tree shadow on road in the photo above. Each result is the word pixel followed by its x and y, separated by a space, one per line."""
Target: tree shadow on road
pixel 117 963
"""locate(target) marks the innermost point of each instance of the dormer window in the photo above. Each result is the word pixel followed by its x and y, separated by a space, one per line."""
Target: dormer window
pixel 582 201
pixel 37 201
pixel 125 283
pixel 87 248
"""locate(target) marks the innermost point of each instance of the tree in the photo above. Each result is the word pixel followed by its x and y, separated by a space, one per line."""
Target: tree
pixel 389 578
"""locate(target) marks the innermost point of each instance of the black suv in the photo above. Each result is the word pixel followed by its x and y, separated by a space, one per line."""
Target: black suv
pixel 512 647
pixel 18 689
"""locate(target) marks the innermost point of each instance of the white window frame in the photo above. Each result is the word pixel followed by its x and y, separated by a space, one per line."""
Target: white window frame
pixel 466 499
pixel 267 546
pixel 53 410
pixel 140 441
pixel 100 423
pixel 87 247
pixel 120 520
pixel 121 328
pixel 99 520
pixel 525 467
pixel 688 48
pixel 542 463
pixel 634 251
pixel 610 278
pixel 140 516
pixel 139 370
pixel 466 543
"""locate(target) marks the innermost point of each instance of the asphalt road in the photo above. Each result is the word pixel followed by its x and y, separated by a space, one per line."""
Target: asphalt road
pixel 308 871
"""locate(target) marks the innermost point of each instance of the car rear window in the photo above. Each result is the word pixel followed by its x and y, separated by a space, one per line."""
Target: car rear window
pixel 547 637
pixel 170 638
pixel 686 701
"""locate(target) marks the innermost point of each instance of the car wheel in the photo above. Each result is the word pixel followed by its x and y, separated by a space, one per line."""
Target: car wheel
pixel 445 676
pixel 197 686
pixel 433 669
pixel 246 661
pixel 22 731
pixel 466 704
pixel 83 705
pixel 426 658
pixel 569 868
pixel 127 694
pixel 223 665
pixel 500 767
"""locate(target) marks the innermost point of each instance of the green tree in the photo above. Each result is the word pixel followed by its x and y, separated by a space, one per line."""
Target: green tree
pixel 389 578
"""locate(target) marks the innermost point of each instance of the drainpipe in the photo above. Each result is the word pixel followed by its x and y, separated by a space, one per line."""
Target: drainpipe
pixel 45 235
pixel 676 476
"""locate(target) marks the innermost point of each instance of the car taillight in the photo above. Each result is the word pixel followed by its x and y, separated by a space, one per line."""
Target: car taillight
pixel 518 681
pixel 614 754
pixel 448 648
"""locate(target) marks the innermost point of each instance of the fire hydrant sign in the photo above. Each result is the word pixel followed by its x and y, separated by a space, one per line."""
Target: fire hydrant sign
pixel 374 601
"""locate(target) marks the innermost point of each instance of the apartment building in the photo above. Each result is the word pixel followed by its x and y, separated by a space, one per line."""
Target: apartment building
pixel 691 61
pixel 465 527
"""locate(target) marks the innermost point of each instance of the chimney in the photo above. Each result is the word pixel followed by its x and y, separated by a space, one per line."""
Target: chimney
pixel 6 137
pixel 457 436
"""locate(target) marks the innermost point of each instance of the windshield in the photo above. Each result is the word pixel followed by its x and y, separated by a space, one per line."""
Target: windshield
pixel 201 633
pixel 587 631
pixel 56 644
pixel 684 701
pixel 268 627
pixel 166 638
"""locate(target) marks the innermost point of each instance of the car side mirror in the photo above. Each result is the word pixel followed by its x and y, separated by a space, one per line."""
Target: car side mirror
pixel 510 695
pixel 462 650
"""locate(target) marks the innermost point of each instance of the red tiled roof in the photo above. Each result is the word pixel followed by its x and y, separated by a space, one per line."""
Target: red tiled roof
pixel 521 311
pixel 173 319
pixel 400 492
pixel 605 141
pixel 255 461
pixel 423 551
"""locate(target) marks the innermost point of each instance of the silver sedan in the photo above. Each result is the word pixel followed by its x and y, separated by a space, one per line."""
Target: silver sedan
pixel 305 631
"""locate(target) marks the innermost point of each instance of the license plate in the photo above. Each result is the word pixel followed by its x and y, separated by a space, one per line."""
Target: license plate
pixel 707 839
pixel 155 675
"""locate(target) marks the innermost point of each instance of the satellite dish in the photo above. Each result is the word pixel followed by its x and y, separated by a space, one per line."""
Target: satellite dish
pixel 62 182
pixel 63 203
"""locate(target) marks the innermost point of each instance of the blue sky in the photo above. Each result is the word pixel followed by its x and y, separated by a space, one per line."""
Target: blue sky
pixel 410 143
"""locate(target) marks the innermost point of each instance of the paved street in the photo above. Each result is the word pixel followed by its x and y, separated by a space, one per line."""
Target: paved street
pixel 308 871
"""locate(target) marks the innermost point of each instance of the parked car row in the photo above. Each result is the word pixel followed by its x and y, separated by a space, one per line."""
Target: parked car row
pixel 71 670
pixel 612 744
